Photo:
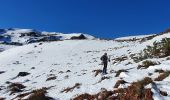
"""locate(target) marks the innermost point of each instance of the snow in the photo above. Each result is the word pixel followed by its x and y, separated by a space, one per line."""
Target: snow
pixel 23 35
pixel 133 37
pixel 81 57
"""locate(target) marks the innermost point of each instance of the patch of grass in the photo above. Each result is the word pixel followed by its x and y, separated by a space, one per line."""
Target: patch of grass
pixel 2 98
pixel 103 78
pixel 38 94
pixel 145 64
pixel 119 90
pixel 97 71
pixel 69 89
pixel 84 96
pixel 120 59
pixel 103 95
pixel 162 76
pixel 119 71
pixel 135 91
pixel 119 82
pixel 159 70
pixel 16 87
pixel 159 49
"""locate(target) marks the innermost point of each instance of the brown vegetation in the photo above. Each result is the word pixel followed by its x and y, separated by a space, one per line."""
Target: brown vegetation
pixel 120 59
pixel 159 49
pixel 85 96
pixel 145 64
pixel 38 94
pixel 119 71
pixel 16 87
pixel 69 89
pixel 119 82
pixel 162 76
pixel 2 98
pixel 159 70
pixel 104 78
pixel 97 71
pixel 135 91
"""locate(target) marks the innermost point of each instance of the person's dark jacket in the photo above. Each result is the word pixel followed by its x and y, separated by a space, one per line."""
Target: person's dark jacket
pixel 104 59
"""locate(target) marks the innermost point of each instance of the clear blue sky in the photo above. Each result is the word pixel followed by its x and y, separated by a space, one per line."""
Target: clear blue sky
pixel 101 18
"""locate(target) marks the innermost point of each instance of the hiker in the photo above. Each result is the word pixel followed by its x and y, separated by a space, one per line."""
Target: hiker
pixel 105 60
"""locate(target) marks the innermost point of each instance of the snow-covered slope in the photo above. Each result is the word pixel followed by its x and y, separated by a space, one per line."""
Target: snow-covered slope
pixel 75 61
pixel 133 37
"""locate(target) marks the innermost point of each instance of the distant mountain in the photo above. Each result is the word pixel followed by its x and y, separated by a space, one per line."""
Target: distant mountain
pixel 24 36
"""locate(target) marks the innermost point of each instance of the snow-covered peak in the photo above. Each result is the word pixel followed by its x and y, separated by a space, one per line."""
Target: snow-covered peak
pixel 24 36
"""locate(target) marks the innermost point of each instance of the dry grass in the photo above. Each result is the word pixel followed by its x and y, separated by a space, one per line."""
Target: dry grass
pixel 2 98
pixel 119 82
pixel 135 91
pixel 119 71
pixel 162 76
pixel 103 95
pixel 16 87
pixel 103 78
pixel 97 72
pixel 38 94
pixel 159 71
pixel 84 96
pixel 69 89
pixel 145 64
pixel 120 59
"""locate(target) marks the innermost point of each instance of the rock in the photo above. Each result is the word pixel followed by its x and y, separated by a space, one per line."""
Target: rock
pixel 22 74
pixel 1 72
pixel 79 37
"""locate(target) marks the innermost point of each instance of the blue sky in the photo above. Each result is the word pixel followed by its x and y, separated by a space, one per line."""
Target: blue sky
pixel 101 18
